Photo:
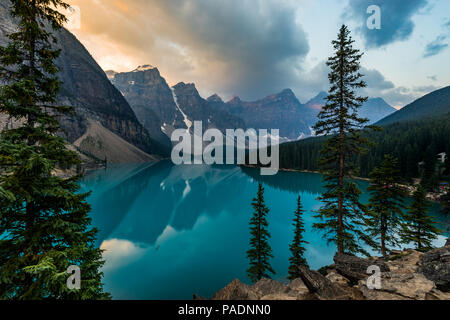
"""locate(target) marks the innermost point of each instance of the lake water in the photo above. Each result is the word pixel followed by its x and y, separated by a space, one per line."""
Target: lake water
pixel 172 231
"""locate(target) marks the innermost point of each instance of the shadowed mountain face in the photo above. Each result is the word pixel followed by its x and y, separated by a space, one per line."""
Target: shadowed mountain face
pixel 434 104
pixel 374 109
pixel 163 109
pixel 87 88
pixel 197 108
pixel 280 111
pixel 151 99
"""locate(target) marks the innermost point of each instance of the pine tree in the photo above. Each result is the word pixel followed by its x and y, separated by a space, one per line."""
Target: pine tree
pixel 419 227
pixel 341 213
pixel 384 213
pixel 260 252
pixel 44 223
pixel 297 250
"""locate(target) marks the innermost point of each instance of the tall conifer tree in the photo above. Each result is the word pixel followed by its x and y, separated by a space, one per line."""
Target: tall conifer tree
pixel 384 215
pixel 260 252
pixel 44 223
pixel 341 212
pixel 419 227
pixel 297 249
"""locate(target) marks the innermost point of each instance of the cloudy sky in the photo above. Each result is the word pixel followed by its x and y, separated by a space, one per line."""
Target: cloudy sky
pixel 253 48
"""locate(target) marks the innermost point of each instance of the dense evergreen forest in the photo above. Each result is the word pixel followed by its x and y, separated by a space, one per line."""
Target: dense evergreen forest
pixel 410 142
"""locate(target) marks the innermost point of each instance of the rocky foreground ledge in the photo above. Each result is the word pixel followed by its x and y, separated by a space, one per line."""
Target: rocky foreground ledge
pixel 405 275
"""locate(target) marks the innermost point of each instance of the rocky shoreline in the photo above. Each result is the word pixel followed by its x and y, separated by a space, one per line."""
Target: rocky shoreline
pixel 405 275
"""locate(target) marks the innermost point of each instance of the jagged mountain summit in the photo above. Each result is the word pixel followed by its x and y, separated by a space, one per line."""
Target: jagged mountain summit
pixel 162 109
pixel 96 101
pixel 280 111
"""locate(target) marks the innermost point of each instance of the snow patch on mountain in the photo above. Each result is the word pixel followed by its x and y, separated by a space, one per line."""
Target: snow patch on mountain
pixel 186 119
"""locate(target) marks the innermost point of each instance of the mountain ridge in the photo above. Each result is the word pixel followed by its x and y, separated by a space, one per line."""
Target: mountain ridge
pixel 374 109
pixel 433 104
pixel 162 108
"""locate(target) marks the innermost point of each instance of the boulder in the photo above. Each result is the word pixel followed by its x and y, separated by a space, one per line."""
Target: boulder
pixel 400 286
pixel 265 287
pixel 436 267
pixel 298 286
pixel 322 287
pixel 336 278
pixel 236 290
pixel 447 243
pixel 408 261
pixel 354 268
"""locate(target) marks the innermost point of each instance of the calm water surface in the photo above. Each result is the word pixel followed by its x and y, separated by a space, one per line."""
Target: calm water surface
pixel 172 231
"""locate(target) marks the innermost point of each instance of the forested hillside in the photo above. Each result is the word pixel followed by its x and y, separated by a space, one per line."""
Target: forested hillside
pixel 410 142
pixel 431 105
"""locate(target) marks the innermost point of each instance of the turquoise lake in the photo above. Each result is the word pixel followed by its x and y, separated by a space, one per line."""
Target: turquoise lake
pixel 171 231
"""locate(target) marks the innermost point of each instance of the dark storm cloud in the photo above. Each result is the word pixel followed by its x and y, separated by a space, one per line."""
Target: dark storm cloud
pixel 258 43
pixel 436 46
pixel 396 19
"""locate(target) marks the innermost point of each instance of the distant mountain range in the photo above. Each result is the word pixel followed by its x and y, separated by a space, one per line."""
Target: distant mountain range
pixel 118 115
pixel 434 104
pixel 420 127
pixel 280 111
pixel 162 109
pixel 374 109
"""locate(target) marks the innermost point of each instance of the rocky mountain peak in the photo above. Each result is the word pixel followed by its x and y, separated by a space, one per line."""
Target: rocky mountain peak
pixel 143 75
pixel 285 98
pixel 188 89
pixel 281 111
pixel 215 98
pixel 144 68
pixel 235 100
pixel 287 93
pixel 85 87
pixel 320 99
